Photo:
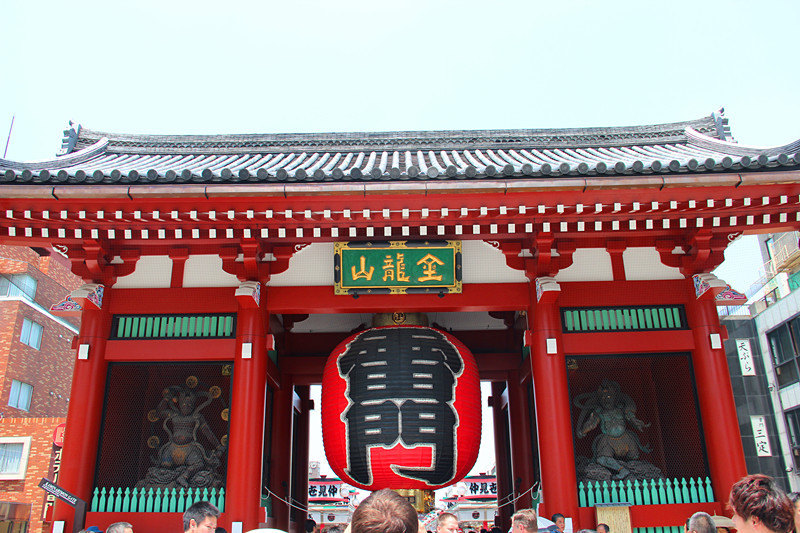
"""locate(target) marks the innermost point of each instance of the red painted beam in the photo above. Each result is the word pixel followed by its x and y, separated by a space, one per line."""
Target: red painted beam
pixel 628 341
pixel 171 350
pixel 308 370
pixel 476 297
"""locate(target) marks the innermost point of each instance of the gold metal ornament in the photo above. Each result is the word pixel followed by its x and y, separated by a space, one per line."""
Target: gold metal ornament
pixel 192 382
pixel 152 415
pixel 215 392
pixel 225 414
pixel 153 442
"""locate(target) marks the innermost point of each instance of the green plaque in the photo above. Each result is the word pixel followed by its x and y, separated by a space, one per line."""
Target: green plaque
pixel 397 267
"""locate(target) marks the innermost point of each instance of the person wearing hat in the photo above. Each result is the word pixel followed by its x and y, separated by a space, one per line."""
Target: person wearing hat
pixel 93 529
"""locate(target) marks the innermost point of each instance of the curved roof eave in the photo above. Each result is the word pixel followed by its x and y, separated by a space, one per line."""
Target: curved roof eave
pixel 515 155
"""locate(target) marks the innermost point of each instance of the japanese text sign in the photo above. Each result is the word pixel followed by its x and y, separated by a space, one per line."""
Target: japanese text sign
pixel 761 436
pixel 397 267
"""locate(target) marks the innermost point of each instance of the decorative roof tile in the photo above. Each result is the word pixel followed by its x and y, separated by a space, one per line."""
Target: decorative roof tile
pixel 702 145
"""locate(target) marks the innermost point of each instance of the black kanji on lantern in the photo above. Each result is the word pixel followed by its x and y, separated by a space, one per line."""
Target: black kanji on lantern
pixel 401 386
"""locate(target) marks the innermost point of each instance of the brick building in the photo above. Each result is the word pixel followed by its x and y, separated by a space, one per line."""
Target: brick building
pixel 36 361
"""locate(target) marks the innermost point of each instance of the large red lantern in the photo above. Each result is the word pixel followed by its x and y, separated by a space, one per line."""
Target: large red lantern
pixel 401 409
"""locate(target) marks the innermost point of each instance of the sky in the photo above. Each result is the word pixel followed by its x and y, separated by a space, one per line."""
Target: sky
pixel 181 67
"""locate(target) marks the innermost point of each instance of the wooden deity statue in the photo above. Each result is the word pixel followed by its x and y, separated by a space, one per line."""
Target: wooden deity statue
pixel 616 449
pixel 183 461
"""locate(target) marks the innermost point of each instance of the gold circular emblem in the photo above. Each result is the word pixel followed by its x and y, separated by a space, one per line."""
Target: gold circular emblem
pixel 224 440
pixel 153 442
pixel 226 370
pixel 398 317
pixel 215 391
pixel 152 415
pixel 225 414
pixel 191 382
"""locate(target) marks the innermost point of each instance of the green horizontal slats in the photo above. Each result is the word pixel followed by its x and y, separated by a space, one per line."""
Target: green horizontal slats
pixel 644 318
pixel 190 326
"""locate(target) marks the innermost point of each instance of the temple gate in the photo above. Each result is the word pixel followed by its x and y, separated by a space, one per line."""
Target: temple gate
pixel 215 293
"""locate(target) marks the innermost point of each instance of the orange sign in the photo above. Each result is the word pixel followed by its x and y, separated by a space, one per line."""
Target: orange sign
pixel 58 435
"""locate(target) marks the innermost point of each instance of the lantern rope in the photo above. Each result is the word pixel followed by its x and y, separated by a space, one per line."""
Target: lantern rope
pixel 290 504
pixel 535 486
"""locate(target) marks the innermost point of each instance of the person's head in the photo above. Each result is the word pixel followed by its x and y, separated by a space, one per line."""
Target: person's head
pixel 120 527
pixel 795 499
pixel 559 521
pixel 603 528
pixel 524 521
pixel 221 530
pixel 701 523
pixel 759 506
pixel 311 526
pixel 201 517
pixel 384 511
pixel 447 523
pixel 333 529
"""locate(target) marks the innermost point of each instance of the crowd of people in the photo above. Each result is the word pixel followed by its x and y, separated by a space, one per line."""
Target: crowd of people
pixel 758 505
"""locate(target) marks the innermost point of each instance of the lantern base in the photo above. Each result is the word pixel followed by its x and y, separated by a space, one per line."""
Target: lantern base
pixel 423 500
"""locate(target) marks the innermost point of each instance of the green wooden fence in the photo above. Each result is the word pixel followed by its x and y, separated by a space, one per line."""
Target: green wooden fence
pixel 190 326
pixel 656 317
pixel 133 500
pixel 647 492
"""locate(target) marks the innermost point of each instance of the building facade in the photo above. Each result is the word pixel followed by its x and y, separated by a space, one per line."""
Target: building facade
pixel 36 375
pixel 221 272
pixel 767 328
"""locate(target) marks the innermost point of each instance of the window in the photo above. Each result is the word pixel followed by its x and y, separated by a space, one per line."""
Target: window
pixel 14 457
pixel 31 333
pixel 18 285
pixel 784 343
pixel 20 396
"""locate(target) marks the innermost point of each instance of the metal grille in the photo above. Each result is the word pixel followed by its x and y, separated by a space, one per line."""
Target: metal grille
pixel 207 325
pixel 656 317
pixel 658 389
pixel 149 423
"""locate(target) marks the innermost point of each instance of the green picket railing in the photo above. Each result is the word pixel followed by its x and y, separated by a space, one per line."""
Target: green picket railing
pixel 647 492
pixel 150 500
pixel 189 326
pixel 654 317
pixel 670 529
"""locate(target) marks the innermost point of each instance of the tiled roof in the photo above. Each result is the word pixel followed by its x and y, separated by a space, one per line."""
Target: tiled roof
pixel 703 145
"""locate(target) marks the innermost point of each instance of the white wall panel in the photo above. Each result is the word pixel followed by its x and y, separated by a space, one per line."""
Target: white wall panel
pixel 152 272
pixel 645 263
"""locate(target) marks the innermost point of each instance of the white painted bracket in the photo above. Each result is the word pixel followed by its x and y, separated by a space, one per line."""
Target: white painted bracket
pixel 83 351
pixel 552 346
pixel 716 341
pixel 247 350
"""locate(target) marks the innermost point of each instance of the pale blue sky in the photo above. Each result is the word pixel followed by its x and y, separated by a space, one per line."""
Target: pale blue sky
pixel 194 67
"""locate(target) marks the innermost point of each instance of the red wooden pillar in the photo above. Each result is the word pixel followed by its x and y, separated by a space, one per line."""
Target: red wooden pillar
pixel 300 467
pixel 280 452
pixel 81 440
pixel 243 500
pixel 502 448
pixel 549 370
pixel 714 392
pixel 521 446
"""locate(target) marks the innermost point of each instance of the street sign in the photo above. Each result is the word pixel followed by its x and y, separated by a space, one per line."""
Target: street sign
pixel 60 493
